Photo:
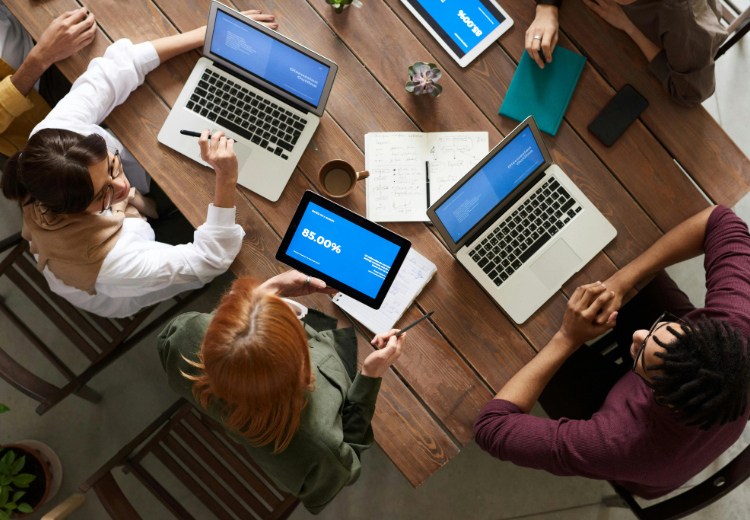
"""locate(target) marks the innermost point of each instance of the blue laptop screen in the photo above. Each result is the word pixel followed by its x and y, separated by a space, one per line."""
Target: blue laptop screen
pixel 461 24
pixel 269 59
pixel 490 185
pixel 343 250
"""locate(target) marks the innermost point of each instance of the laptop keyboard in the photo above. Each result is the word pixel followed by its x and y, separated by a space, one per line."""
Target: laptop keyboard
pixel 512 242
pixel 247 114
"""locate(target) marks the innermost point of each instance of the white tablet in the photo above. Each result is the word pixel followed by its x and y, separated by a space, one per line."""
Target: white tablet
pixel 463 27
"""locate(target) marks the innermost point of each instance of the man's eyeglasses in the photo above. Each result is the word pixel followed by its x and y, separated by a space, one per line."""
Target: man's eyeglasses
pixel 665 319
pixel 108 192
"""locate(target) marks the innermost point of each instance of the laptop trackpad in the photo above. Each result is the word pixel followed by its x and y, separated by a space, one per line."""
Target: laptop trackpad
pixel 243 154
pixel 556 265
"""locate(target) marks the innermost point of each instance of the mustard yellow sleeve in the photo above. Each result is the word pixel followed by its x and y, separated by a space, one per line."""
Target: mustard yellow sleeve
pixel 12 103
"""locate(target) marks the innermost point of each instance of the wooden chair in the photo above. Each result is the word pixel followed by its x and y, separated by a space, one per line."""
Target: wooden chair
pixel 197 451
pixel 738 22
pixel 100 340
pixel 692 500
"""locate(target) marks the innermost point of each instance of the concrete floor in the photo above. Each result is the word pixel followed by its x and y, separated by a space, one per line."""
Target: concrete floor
pixel 472 485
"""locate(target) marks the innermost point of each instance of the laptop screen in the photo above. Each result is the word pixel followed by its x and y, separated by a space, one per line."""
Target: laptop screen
pixel 279 64
pixel 490 185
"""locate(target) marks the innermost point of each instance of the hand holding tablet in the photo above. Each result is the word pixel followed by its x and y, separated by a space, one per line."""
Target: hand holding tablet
pixel 345 250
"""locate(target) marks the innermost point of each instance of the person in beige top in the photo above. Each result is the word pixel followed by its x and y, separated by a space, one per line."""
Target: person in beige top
pixel 678 37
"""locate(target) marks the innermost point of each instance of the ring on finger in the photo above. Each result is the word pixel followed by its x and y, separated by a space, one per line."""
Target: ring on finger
pixel 537 37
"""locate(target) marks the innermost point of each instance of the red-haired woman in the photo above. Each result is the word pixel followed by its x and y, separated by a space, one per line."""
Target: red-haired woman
pixel 283 380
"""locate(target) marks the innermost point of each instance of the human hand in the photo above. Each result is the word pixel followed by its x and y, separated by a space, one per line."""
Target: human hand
pixel 618 284
pixel 611 12
pixel 545 25
pixel 265 19
pixel 389 350
pixel 145 205
pixel 219 153
pixel 67 34
pixel 580 321
pixel 292 283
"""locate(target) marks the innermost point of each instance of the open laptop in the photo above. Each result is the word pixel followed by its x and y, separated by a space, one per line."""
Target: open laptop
pixel 260 88
pixel 519 225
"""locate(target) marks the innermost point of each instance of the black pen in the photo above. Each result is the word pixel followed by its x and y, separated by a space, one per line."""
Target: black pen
pixel 198 134
pixel 415 323
pixel 427 183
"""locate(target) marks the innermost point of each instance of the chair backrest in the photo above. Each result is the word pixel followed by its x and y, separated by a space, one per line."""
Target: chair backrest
pixel 204 459
pixel 698 497
pixel 738 24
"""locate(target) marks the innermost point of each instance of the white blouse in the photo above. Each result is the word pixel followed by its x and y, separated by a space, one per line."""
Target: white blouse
pixel 138 271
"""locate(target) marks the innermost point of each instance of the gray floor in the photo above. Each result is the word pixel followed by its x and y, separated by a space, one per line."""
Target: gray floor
pixel 472 485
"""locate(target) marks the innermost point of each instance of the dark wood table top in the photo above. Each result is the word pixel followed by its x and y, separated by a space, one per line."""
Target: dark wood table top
pixel 469 348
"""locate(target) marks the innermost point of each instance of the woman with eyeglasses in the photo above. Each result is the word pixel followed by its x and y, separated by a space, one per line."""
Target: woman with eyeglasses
pixel 283 380
pixel 87 226
pixel 664 395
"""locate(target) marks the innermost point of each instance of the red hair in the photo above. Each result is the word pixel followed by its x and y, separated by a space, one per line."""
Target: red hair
pixel 255 358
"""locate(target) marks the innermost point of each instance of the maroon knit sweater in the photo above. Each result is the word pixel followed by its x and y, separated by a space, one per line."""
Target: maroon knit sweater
pixel 631 440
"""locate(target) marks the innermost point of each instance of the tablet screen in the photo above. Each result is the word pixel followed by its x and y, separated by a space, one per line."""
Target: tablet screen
pixel 352 254
pixel 461 24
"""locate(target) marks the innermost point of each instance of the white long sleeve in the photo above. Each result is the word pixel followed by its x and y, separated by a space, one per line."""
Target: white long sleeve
pixel 138 271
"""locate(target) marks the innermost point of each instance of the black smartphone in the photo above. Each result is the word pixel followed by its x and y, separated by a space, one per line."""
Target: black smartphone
pixel 618 115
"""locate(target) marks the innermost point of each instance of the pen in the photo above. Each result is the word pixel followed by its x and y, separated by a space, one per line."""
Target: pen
pixel 415 323
pixel 427 183
pixel 198 134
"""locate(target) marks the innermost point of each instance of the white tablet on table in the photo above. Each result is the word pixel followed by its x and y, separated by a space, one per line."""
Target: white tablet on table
pixel 463 27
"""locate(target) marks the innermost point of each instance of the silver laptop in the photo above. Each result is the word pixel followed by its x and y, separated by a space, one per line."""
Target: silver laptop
pixel 262 89
pixel 519 225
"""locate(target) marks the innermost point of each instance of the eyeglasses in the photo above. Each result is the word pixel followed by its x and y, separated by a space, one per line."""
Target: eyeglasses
pixel 108 192
pixel 665 319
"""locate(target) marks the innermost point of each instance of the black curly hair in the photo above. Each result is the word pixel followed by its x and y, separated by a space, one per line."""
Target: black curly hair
pixel 705 376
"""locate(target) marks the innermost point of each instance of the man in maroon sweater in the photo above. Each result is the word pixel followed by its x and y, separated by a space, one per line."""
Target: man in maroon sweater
pixel 652 428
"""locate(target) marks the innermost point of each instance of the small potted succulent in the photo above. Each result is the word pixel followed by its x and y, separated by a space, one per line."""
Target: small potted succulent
pixel 340 5
pixel 25 478
pixel 423 79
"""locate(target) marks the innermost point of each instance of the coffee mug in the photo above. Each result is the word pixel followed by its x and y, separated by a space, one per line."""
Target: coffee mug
pixel 338 178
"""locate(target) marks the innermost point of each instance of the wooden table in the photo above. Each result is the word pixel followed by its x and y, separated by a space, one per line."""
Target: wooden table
pixel 453 365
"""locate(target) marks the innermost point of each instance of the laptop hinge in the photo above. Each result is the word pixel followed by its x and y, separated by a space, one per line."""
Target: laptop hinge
pixel 507 205
pixel 260 87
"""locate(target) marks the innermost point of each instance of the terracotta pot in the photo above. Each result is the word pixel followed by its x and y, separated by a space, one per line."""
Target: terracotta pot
pixel 45 466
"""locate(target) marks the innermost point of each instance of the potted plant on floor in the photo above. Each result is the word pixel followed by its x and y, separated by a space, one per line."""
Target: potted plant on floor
pixel 25 478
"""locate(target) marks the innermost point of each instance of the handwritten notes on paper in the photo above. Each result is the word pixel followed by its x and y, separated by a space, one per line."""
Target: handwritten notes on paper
pixel 397 187
pixel 414 274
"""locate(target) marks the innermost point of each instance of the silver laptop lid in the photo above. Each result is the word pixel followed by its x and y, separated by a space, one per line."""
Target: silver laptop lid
pixel 288 70
pixel 493 185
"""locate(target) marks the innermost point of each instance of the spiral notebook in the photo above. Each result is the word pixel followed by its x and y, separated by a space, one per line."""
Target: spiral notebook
pixel 414 274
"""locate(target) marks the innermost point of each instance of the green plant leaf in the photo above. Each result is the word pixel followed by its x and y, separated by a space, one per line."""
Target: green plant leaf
pixel 23 480
pixel 18 466
pixel 10 506
pixel 17 495
pixel 437 91
pixel 4 497
pixel 25 508
pixel 436 74
pixel 410 70
pixel 4 515
pixel 410 85
pixel 4 408
pixel 5 480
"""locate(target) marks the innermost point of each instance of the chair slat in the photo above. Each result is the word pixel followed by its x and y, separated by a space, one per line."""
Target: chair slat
pixel 231 459
pixel 190 483
pixel 205 476
pixel 8 260
pixel 23 380
pixel 285 509
pixel 113 499
pixel 217 467
pixel 64 305
pixel 241 450
pixel 107 326
pixel 158 491
pixel 52 314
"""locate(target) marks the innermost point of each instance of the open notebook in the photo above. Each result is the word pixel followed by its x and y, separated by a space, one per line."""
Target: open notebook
pixel 414 274
pixel 400 164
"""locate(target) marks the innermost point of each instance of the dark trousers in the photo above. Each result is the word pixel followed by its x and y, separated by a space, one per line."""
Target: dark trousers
pixel 581 385
pixel 171 227
pixel 53 86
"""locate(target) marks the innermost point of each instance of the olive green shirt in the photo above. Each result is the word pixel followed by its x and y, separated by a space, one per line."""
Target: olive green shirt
pixel 324 455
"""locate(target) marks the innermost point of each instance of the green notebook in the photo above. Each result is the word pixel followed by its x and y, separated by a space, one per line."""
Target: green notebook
pixel 543 93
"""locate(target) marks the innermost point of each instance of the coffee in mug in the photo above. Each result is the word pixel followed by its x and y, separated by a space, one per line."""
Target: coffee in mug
pixel 338 178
